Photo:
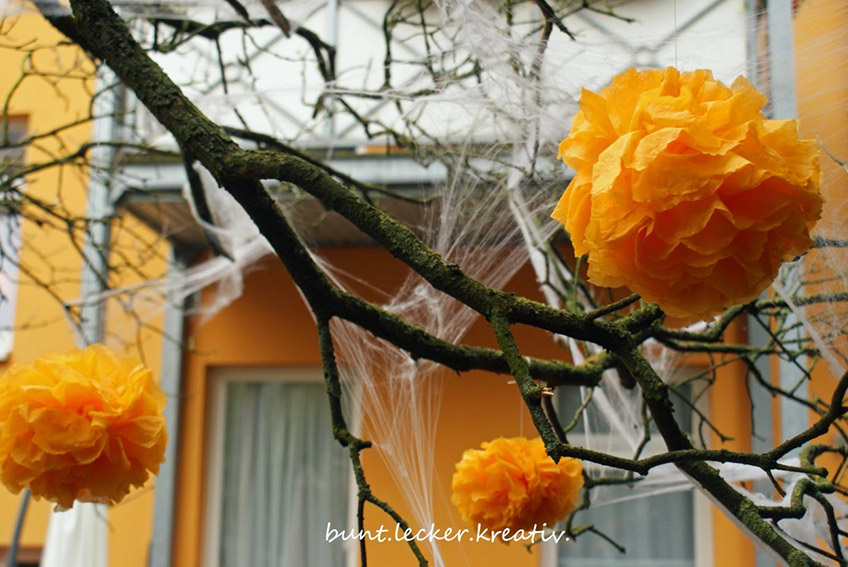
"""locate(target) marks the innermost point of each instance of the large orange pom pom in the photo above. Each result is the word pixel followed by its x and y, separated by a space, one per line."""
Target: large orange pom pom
pixel 84 425
pixel 684 191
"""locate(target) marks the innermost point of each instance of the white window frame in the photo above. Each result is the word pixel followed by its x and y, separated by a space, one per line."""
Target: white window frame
pixel 11 236
pixel 219 378
pixel 702 509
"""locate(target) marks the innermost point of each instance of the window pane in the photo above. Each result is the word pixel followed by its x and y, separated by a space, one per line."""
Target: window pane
pixel 16 131
pixel 10 233
pixel 285 477
pixel 569 401
pixel 656 531
pixel 10 245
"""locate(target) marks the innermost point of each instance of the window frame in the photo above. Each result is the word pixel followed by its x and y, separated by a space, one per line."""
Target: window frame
pixel 219 378
pixel 702 528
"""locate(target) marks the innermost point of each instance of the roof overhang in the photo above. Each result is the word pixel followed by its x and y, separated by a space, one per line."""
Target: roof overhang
pixel 153 193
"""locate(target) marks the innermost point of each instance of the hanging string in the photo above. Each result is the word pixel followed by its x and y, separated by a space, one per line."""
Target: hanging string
pixel 674 12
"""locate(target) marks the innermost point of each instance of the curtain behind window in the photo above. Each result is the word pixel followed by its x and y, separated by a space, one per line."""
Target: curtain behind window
pixel 657 531
pixel 285 478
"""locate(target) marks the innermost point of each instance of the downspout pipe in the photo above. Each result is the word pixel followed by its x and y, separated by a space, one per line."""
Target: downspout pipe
pixel 793 416
pixel 95 272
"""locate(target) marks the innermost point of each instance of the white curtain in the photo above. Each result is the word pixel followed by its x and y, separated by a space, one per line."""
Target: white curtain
pixel 285 478
pixel 77 537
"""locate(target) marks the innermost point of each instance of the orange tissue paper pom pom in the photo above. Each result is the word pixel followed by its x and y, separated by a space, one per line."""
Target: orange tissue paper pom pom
pixel 513 483
pixel 84 425
pixel 684 192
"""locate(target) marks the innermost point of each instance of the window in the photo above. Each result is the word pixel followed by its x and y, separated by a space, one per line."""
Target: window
pixel 11 154
pixel 657 531
pixel 11 157
pixel 277 477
